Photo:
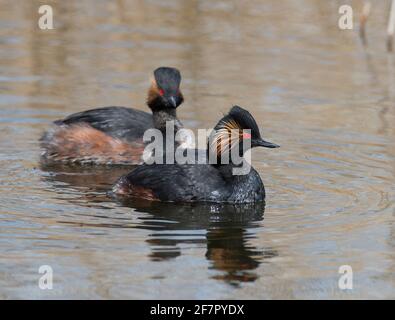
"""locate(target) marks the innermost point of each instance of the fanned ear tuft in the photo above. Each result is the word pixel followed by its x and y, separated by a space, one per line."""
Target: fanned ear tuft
pixel 229 130
pixel 227 134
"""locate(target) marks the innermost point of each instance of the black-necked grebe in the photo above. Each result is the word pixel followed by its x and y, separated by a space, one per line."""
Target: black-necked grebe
pixel 114 135
pixel 202 182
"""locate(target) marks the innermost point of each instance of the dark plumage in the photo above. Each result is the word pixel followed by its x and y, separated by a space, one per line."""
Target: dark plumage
pixel 113 135
pixel 201 182
pixel 118 122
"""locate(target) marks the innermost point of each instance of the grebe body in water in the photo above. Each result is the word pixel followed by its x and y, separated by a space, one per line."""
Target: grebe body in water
pixel 203 182
pixel 114 135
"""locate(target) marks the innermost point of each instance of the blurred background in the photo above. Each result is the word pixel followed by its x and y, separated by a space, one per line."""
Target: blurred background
pixel 316 90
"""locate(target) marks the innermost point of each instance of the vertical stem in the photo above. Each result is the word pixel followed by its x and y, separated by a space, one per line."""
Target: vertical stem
pixel 391 26
pixel 363 20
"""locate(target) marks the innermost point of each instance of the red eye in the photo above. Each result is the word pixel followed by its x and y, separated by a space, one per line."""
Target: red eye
pixel 246 135
pixel 161 92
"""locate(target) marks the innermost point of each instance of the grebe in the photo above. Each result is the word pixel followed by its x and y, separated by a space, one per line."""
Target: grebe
pixel 203 182
pixel 114 135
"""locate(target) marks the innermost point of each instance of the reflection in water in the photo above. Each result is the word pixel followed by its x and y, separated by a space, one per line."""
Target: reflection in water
pixel 89 183
pixel 226 230
pixel 88 178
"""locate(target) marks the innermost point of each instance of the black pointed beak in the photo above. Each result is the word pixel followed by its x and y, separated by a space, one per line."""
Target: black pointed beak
pixel 266 144
pixel 173 101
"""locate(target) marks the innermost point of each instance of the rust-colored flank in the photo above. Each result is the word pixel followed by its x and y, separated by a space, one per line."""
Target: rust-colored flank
pixel 84 144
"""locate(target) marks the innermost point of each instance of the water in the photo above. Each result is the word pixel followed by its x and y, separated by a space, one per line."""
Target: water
pixel 313 89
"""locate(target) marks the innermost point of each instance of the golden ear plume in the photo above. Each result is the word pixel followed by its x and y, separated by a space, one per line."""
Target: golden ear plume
pixel 226 136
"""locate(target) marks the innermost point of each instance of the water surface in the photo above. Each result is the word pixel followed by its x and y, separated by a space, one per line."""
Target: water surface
pixel 315 90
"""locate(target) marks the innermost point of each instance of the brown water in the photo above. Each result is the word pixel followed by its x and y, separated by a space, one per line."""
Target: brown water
pixel 314 90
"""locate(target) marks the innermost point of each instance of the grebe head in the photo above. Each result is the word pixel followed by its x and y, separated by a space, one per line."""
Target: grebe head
pixel 236 128
pixel 164 92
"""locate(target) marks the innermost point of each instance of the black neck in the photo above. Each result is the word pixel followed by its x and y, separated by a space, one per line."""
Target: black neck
pixel 247 187
pixel 227 166
pixel 160 118
pixel 228 171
